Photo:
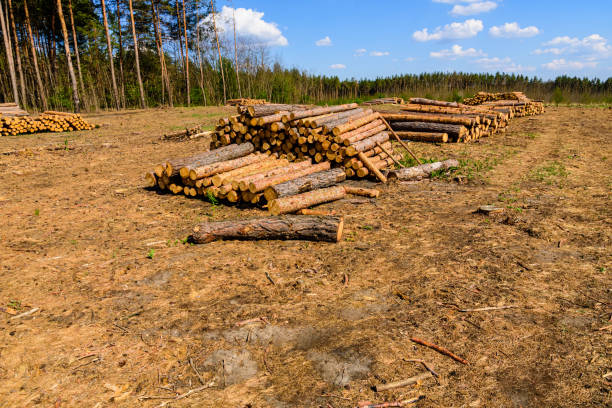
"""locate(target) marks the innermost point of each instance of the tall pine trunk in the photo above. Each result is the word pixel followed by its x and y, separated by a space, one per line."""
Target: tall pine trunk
pixel 110 56
pixel 139 77
pixel 200 54
pixel 9 54
pixel 236 57
pixel 75 91
pixel 186 56
pixel 18 55
pixel 76 52
pixel 121 76
pixel 219 50
pixel 162 55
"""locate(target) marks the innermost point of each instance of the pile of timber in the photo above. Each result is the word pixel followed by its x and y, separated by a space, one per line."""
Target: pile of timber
pixel 49 121
pixel 12 110
pixel 237 173
pixel 385 101
pixel 516 102
pixel 347 136
pixel 245 101
pixel 427 120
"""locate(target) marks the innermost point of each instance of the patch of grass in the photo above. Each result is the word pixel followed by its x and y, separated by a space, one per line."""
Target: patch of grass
pixel 367 227
pixel 14 304
pixel 550 173
pixel 37 212
pixel 532 135
pixel 212 199
pixel 151 253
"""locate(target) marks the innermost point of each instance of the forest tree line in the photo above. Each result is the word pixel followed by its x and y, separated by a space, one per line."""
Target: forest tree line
pixel 114 54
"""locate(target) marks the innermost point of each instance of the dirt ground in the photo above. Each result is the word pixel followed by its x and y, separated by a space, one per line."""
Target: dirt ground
pixel 115 325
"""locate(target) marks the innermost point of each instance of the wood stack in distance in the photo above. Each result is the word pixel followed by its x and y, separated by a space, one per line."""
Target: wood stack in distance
pixel 49 121
pixel 245 101
pixel 427 120
pixel 345 135
pixel 516 102
pixel 384 101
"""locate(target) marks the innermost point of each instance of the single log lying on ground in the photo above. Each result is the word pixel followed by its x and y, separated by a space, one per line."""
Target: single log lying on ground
pixel 423 136
pixel 433 118
pixel 421 171
pixel 303 184
pixel 297 202
pixel 296 227
pixel 360 191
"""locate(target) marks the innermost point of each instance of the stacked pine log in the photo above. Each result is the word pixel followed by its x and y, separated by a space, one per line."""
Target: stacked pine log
pixel 11 110
pixel 237 173
pixel 49 121
pixel 385 101
pixel 516 102
pixel 245 101
pixel 344 135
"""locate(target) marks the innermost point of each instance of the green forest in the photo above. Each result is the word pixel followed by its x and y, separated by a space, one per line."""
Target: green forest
pixel 87 55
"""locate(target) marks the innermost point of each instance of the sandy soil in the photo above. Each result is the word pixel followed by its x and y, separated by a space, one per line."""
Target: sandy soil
pixel 115 325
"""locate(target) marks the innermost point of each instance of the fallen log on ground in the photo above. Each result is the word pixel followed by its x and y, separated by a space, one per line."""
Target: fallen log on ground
pixel 297 202
pixel 421 171
pixel 423 136
pixel 300 227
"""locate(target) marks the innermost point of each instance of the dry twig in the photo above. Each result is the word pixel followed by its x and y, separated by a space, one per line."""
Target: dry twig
pixel 439 349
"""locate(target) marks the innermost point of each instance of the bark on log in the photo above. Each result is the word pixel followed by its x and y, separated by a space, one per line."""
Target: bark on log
pixel 300 185
pixel 329 125
pixel 453 120
pixel 300 227
pixel 367 144
pixel 346 127
pixel 260 185
pixel 244 182
pixel 229 152
pixel 297 202
pixel 225 178
pixel 423 101
pixel 269 109
pixel 224 166
pixel 422 171
pixel 324 119
pixel 371 167
pixel 454 131
pixel 365 192
pixel 359 130
pixel 423 136
pixel 319 111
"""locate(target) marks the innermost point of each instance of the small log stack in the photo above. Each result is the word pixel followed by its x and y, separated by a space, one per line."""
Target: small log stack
pixel 11 109
pixel 49 121
pixel 245 101
pixel 335 134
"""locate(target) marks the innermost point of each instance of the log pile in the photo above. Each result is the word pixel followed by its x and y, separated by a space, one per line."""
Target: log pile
pixel 383 101
pixel 245 101
pixel 427 120
pixel 12 110
pixel 516 102
pixel 347 136
pixel 187 134
pixel 49 121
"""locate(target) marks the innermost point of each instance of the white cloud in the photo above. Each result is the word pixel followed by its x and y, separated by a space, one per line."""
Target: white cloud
pixel 591 47
pixel 360 52
pixel 324 42
pixel 513 30
pixel 250 25
pixel 563 65
pixel 473 8
pixel 337 66
pixel 454 31
pixel 503 65
pixel 379 53
pixel 409 59
pixel 457 51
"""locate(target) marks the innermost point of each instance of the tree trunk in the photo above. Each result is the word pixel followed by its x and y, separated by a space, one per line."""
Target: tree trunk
pixel 162 54
pixel 455 132
pixel 294 203
pixel 110 55
pixel 244 182
pixel 182 166
pixel 22 85
pixel 452 120
pixel 422 171
pixel 186 57
pixel 236 57
pixel 367 144
pixel 319 111
pixel 423 101
pixel 260 185
pixel 139 77
pixel 76 51
pixel 121 76
pixel 75 91
pixel 302 227
pixel 200 55
pixel 9 54
pixel 224 166
pixel 212 6
pixel 300 185
pixel 424 137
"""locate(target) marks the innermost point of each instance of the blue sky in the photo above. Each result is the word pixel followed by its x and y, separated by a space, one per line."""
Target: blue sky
pixel 367 39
